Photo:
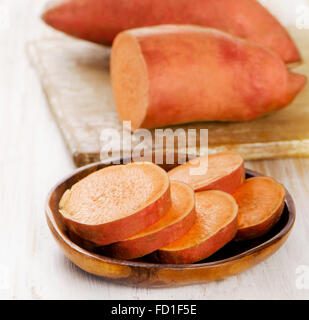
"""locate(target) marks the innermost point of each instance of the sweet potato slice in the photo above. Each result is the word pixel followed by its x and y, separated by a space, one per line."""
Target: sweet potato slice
pixel 225 172
pixel 167 75
pixel 261 202
pixel 215 226
pixel 101 20
pixel 178 220
pixel 116 202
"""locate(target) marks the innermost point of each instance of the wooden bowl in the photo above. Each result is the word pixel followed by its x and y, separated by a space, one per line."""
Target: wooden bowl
pixel 232 259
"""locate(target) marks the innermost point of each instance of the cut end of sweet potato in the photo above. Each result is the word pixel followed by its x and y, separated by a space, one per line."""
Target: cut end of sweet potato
pixel 215 226
pixel 182 197
pixel 222 171
pixel 116 202
pixel 261 202
pixel 114 193
pixel 129 79
pixel 174 224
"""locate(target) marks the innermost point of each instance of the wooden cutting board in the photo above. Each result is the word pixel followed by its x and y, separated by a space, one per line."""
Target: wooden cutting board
pixel 75 77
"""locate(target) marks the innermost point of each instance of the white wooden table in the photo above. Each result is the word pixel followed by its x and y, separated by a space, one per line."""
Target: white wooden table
pixel 34 157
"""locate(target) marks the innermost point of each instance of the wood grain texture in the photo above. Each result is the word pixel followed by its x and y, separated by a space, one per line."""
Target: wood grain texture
pixel 75 77
pixel 34 157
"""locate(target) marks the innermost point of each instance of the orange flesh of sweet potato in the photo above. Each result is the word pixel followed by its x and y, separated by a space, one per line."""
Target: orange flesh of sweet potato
pixel 215 226
pixel 261 202
pixel 116 202
pixel 175 223
pixel 101 20
pixel 225 172
pixel 169 75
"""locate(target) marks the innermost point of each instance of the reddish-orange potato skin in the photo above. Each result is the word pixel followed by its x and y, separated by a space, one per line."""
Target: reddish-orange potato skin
pixel 200 251
pixel 124 228
pixel 101 20
pixel 261 201
pixel 228 183
pixel 88 245
pixel 135 248
pixel 200 74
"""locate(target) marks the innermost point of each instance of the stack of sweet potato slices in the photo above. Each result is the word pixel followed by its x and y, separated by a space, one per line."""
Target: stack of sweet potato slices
pixel 181 216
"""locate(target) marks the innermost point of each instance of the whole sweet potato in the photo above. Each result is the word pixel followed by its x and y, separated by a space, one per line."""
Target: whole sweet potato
pixel 101 20
pixel 171 74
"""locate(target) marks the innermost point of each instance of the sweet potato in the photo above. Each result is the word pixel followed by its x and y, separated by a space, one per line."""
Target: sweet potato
pixel 215 226
pixel 116 202
pixel 261 202
pixel 178 220
pixel 168 75
pixel 101 20
pixel 223 171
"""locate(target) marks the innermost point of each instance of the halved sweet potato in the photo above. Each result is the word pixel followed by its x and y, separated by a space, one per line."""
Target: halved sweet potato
pixel 153 71
pixel 178 220
pixel 101 20
pixel 215 226
pixel 116 202
pixel 261 202
pixel 225 172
